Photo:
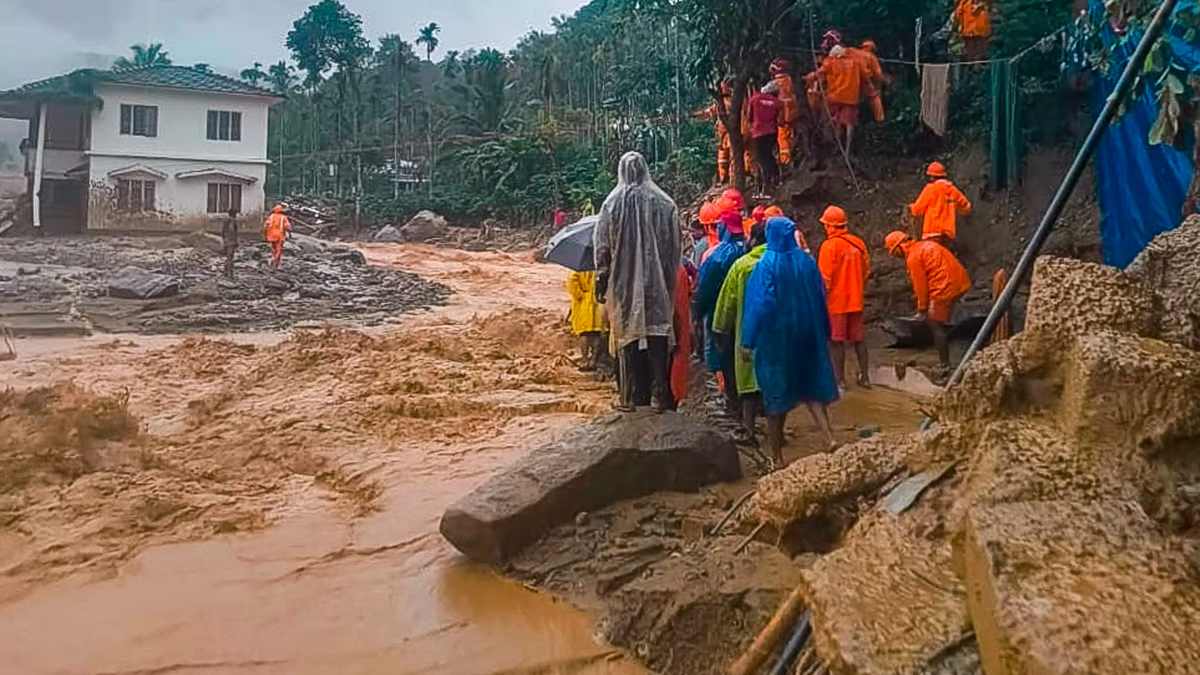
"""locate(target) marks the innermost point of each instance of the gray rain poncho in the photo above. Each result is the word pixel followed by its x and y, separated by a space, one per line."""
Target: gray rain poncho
pixel 637 244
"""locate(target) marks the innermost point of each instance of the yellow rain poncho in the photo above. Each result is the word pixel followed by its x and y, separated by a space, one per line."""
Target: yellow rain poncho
pixel 586 316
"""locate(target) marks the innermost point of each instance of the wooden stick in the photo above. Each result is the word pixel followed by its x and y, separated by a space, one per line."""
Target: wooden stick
pixel 777 628
pixel 746 542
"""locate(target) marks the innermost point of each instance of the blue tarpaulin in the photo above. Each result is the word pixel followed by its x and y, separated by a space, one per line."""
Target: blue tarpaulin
pixel 1141 187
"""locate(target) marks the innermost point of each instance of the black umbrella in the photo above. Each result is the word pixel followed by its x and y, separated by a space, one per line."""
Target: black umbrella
pixel 572 247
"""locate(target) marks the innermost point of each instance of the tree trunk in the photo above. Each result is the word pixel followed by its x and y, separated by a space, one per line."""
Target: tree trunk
pixel 732 119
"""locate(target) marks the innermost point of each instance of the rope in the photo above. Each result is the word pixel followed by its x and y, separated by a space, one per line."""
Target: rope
pixel 905 62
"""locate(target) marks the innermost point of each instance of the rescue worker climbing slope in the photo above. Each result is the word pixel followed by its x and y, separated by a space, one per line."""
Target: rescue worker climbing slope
pixel 939 205
pixel 843 78
pixel 782 77
pixel 873 78
pixel 939 281
pixel 277 229
pixel 972 19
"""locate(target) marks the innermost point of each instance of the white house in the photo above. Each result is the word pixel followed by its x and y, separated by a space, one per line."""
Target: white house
pixel 157 147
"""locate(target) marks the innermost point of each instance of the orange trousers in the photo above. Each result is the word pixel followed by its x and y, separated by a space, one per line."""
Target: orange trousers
pixel 787 142
pixel 724 154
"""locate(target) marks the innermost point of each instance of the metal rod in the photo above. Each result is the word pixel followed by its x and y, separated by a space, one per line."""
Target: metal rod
pixel 1025 266
pixel 792 649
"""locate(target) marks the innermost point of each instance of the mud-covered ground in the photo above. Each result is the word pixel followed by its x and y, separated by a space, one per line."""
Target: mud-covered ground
pixel 66 279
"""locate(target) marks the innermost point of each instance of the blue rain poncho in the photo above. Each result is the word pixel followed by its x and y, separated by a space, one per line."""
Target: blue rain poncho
pixel 712 278
pixel 786 324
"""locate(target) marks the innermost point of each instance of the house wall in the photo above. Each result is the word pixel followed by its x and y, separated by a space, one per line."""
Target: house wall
pixel 180 146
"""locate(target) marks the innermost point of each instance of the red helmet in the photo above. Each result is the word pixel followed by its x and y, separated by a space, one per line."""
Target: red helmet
pixel 739 203
pixel 831 39
pixel 759 214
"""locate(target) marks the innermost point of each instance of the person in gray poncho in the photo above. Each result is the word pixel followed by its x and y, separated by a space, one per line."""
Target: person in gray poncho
pixel 638 249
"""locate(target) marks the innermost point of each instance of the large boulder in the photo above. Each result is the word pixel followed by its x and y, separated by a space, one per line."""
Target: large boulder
pixel 135 283
pixel 424 226
pixel 389 235
pixel 594 466
pixel 1170 267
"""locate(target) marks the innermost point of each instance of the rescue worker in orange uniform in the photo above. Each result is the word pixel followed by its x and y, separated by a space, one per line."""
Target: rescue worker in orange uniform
pixel 873 79
pixel 724 145
pixel 781 75
pixel 940 204
pixel 939 282
pixel 843 78
pixel 845 264
pixel 973 20
pixel 276 229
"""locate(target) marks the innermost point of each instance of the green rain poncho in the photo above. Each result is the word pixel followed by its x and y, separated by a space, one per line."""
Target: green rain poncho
pixel 727 317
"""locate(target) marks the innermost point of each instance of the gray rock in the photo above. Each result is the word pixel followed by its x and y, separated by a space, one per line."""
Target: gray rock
pixel 424 226
pixel 389 234
pixel 302 243
pixel 596 465
pixel 205 241
pixel 135 283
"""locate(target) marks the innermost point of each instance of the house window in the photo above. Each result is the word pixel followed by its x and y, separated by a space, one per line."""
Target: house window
pixel 224 196
pixel 135 196
pixel 224 125
pixel 139 120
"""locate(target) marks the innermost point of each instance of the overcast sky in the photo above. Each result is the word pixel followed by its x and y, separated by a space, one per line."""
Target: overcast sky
pixel 40 38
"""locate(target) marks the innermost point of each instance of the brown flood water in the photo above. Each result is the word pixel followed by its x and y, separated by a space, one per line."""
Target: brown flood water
pixel 318 591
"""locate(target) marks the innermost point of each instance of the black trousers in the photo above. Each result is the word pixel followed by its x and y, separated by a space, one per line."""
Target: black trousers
pixel 646 374
pixel 764 154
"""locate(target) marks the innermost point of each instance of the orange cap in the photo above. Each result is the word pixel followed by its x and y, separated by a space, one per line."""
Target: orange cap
pixel 710 213
pixel 739 203
pixel 834 216
pixel 936 170
pixel 894 240
pixel 278 208
pixel 773 212
pixel 870 46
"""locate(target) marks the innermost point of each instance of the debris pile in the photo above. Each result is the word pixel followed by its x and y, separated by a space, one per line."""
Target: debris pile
pixel 164 285
pixel 1055 522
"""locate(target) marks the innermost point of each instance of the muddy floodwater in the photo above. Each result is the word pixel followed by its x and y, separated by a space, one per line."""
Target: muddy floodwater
pixel 277 511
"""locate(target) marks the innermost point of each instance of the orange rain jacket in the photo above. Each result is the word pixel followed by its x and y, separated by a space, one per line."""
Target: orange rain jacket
pixel 939 204
pixel 844 78
pixel 936 274
pixel 973 18
pixel 845 264
pixel 872 71
pixel 277 227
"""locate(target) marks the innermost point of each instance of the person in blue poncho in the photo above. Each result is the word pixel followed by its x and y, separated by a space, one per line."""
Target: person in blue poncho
pixel 786 325
pixel 718 351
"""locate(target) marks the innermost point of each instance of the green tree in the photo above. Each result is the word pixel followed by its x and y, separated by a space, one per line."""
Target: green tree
pixel 451 65
pixel 281 77
pixel 254 74
pixel 144 55
pixel 201 67
pixel 328 36
pixel 428 37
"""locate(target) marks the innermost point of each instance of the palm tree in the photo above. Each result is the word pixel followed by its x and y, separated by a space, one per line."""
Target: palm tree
pixel 144 55
pixel 255 74
pixel 428 36
pixel 281 76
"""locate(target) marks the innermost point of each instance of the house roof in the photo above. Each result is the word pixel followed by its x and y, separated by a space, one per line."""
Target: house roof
pixel 137 169
pixel 78 84
pixel 216 172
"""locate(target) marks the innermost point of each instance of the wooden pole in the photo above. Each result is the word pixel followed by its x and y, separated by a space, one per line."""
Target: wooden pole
pixel 777 628
pixel 39 163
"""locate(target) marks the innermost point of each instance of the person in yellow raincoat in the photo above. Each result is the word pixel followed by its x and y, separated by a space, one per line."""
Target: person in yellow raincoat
pixel 587 319
pixel 782 76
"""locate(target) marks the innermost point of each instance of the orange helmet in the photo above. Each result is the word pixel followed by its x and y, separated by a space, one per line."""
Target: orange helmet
pixel 736 199
pixel 893 241
pixel 834 216
pixel 278 208
pixel 710 213
pixel 869 45
pixel 936 170
pixel 773 212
